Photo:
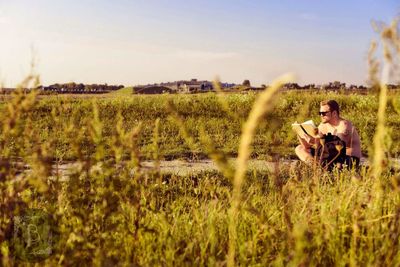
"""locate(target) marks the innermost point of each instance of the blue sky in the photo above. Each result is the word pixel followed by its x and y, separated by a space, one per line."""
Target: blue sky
pixel 138 42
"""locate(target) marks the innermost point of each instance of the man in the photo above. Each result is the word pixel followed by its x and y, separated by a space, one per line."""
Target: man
pixel 332 123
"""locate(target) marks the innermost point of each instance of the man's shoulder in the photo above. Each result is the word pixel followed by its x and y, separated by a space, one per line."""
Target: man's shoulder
pixel 346 123
pixel 346 126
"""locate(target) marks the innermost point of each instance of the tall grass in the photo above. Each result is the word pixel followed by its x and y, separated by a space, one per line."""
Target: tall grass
pixel 262 105
pixel 204 111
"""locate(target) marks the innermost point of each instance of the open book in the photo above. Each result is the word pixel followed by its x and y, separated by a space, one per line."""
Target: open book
pixel 306 129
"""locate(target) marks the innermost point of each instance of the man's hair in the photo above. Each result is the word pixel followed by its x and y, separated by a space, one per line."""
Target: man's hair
pixel 333 105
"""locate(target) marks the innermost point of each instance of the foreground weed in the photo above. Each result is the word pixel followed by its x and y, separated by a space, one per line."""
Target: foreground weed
pixel 262 105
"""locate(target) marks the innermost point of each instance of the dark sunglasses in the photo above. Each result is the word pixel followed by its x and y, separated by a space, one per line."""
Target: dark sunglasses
pixel 323 113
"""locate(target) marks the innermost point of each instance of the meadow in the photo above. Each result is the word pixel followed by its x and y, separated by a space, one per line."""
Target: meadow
pixel 64 121
pixel 109 212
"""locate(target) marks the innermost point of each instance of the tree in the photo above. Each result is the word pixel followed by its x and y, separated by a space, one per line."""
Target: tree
pixel 246 83
pixel 80 87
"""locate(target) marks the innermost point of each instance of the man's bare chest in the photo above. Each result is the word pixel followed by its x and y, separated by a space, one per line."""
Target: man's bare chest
pixel 341 130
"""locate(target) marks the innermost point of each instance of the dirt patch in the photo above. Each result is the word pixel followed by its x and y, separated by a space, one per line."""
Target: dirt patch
pixel 184 167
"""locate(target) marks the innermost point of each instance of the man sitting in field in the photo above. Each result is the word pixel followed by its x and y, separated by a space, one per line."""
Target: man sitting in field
pixel 332 123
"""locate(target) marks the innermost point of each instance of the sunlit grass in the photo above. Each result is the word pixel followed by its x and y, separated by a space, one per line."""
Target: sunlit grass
pixel 127 91
pixel 107 213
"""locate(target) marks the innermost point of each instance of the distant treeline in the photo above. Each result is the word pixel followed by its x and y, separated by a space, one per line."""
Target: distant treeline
pixel 333 86
pixel 80 88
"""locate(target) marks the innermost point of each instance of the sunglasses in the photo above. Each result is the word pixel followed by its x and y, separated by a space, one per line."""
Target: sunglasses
pixel 323 113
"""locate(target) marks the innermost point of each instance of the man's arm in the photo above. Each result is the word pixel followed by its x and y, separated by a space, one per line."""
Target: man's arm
pixel 305 143
pixel 309 142
pixel 350 135
pixel 354 146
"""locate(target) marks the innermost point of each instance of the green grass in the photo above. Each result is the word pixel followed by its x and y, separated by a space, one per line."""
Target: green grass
pixel 204 111
pixel 126 91
pixel 111 212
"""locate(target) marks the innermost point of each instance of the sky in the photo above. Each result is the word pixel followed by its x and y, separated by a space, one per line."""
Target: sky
pixel 133 42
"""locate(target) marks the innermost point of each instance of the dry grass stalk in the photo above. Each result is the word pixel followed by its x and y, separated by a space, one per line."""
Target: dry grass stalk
pixel 262 105
pixel 374 66
pixel 156 145
pixel 184 131
pixel 217 156
pixel 391 45
pixel 222 98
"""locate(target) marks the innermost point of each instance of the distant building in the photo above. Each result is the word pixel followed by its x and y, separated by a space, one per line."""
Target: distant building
pixel 196 86
pixel 227 85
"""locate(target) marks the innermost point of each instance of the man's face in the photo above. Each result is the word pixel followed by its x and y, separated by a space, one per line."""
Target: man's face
pixel 325 113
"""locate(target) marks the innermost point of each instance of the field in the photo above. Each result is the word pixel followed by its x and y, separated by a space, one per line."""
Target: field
pixel 109 212
pixel 64 120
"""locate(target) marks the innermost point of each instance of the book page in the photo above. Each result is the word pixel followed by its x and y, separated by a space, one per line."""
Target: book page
pixel 306 129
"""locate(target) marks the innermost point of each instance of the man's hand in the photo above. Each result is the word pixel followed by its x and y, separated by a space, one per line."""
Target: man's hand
pixel 307 142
